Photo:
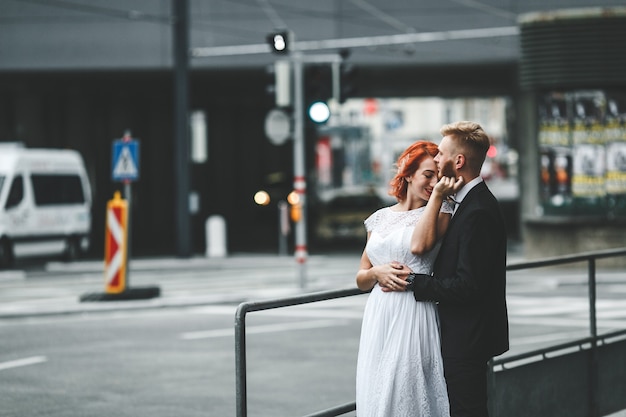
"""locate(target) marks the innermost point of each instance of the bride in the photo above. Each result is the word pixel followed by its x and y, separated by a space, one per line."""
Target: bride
pixel 399 367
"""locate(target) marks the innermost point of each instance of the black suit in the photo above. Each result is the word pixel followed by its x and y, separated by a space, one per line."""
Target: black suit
pixel 469 285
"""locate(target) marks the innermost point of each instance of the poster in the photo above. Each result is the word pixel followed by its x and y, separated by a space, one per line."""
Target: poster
pixel 555 152
pixel 582 153
pixel 615 137
pixel 587 120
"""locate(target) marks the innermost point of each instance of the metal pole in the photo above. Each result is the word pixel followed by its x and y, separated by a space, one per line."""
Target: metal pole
pixel 592 297
pixel 593 365
pixel 299 175
pixel 127 195
pixel 240 362
pixel 282 227
pixel 180 9
pixel 362 42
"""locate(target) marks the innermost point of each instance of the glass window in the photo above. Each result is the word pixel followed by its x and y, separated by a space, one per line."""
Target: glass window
pixel 16 192
pixel 57 189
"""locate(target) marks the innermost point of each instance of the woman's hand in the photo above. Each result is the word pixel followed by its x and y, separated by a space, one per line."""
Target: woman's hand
pixel 394 277
pixel 448 186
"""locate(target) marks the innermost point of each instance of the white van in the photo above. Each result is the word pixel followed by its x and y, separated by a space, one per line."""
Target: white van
pixel 45 203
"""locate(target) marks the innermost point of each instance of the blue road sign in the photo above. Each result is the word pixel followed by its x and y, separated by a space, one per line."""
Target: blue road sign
pixel 125 161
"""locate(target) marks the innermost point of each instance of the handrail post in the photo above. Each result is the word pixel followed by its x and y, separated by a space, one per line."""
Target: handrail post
pixel 592 297
pixel 593 360
pixel 240 361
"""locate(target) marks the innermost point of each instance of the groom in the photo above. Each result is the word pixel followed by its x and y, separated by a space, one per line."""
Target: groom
pixel 469 274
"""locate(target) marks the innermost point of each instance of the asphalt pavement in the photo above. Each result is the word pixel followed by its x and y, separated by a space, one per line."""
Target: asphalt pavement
pixel 58 288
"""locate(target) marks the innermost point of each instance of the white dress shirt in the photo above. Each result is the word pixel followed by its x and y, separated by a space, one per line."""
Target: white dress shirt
pixel 460 195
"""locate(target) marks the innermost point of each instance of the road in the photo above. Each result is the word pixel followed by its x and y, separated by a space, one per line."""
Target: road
pixel 175 355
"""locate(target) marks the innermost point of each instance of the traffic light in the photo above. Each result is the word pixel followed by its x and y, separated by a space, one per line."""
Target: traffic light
pixel 279 42
pixel 318 81
pixel 347 88
pixel 319 112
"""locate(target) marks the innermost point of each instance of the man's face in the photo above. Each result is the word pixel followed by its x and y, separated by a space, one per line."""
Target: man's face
pixel 446 158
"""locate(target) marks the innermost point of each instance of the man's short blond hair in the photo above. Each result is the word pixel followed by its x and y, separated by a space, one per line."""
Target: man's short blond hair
pixel 470 140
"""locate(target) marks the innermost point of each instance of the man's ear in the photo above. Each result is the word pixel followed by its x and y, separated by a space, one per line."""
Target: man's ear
pixel 460 161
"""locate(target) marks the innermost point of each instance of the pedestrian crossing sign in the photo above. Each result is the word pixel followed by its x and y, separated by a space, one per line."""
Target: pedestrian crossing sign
pixel 125 161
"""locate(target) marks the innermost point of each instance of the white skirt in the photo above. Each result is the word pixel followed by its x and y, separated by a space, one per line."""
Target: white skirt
pixel 399 368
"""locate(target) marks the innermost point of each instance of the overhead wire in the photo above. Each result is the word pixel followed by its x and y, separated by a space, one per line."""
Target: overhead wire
pixel 103 11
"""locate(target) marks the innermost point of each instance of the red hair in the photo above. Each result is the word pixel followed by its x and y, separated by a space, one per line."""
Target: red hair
pixel 408 162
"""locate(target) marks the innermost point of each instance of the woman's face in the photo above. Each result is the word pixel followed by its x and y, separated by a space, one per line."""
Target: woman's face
pixel 422 182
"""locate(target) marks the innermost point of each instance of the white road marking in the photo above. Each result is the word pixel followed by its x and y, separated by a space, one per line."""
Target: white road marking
pixel 22 362
pixel 269 328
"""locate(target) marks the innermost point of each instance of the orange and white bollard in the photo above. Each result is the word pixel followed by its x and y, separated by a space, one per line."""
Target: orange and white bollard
pixel 115 245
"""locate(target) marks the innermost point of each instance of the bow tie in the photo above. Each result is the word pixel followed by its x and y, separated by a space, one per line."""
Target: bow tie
pixel 451 198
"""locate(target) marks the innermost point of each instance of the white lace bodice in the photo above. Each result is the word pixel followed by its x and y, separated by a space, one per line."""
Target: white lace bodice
pixel 390 238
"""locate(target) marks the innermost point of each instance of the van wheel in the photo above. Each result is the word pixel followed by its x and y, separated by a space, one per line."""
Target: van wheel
pixel 6 253
pixel 72 249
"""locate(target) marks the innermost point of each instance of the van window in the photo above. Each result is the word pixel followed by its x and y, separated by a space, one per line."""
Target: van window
pixel 57 189
pixel 16 192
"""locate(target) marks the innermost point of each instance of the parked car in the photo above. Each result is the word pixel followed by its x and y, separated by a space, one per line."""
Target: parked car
pixel 341 218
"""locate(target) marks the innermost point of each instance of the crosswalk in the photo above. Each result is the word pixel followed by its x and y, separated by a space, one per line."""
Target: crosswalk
pixel 570 312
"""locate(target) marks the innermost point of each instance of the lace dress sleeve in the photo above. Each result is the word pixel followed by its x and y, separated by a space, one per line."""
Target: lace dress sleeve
pixel 372 221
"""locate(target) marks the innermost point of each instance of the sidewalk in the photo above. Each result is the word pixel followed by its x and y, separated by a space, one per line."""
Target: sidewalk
pixel 59 287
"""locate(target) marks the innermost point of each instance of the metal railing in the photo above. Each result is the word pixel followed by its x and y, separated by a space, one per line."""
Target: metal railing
pixel 251 306
pixel 590 343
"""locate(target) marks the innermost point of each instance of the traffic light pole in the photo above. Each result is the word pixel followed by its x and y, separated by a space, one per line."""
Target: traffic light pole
pixel 283 43
pixel 299 174
pixel 299 167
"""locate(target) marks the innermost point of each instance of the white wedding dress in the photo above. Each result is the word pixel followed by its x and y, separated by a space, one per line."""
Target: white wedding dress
pixel 399 368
